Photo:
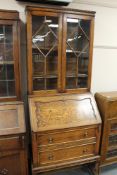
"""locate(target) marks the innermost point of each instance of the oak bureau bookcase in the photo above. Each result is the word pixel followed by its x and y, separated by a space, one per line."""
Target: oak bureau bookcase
pixel 13 155
pixel 107 104
pixel 65 123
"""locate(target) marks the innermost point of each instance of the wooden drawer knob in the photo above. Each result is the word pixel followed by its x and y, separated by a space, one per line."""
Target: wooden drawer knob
pixel 50 157
pixel 85 150
pixel 86 134
pixel 50 140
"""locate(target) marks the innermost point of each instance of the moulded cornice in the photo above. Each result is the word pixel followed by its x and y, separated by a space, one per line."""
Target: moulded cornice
pixel 105 3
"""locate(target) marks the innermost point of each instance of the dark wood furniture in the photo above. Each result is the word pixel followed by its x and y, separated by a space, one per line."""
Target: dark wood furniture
pixel 13 154
pixel 65 132
pixel 107 104
pixel 60 42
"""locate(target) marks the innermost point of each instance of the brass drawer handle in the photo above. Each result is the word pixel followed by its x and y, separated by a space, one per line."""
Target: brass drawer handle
pixel 85 151
pixel 86 134
pixel 50 157
pixel 50 140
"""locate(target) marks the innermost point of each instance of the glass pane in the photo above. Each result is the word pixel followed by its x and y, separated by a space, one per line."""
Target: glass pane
pixel 1 52
pixel 71 67
pixel 51 64
pixel 111 153
pixel 52 83
pixel 3 88
pixel 38 64
pixel 10 71
pixel 77 51
pixel 11 88
pixel 112 140
pixel 9 52
pixel 82 81
pixel 9 43
pixel 2 35
pixel 114 127
pixel 71 83
pixel 8 34
pixel 2 72
pixel 45 51
pixel 7 83
pixel 38 84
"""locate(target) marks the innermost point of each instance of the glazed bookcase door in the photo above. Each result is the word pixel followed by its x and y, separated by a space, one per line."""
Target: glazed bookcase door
pixel 77 57
pixel 9 70
pixel 45 52
pixel 112 140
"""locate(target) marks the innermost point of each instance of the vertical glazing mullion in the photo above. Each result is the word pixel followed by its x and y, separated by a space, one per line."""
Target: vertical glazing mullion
pixel 45 72
pixel 3 66
pixel 45 81
pixel 6 82
pixel 77 63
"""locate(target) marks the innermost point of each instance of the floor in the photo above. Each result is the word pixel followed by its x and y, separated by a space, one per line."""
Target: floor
pixel 109 170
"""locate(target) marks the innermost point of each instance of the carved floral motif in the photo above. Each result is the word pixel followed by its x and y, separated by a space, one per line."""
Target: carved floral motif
pixel 3 171
pixel 63 112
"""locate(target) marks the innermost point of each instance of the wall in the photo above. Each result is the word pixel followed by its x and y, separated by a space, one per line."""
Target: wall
pixel 104 68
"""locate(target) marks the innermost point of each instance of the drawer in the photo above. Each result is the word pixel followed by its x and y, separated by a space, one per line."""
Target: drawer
pixel 112 109
pixel 66 136
pixel 11 143
pixel 70 153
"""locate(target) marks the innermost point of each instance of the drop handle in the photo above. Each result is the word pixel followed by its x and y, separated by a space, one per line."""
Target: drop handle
pixel 50 140
pixel 85 151
pixel 50 157
pixel 86 134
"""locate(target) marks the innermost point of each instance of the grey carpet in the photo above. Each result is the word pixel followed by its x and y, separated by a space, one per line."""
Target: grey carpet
pixel 108 170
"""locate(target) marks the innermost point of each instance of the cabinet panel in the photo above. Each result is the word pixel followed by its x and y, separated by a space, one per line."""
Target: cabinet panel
pixel 6 61
pixel 112 108
pixel 12 143
pixel 9 57
pixel 107 103
pixel 13 163
pixel 62 111
pixel 112 139
pixel 77 52
pixel 12 118
pixel 13 154
pixel 60 50
pixel 45 51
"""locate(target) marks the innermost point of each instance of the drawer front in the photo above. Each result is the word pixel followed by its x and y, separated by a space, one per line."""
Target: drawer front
pixel 56 138
pixel 12 143
pixel 112 108
pixel 55 156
